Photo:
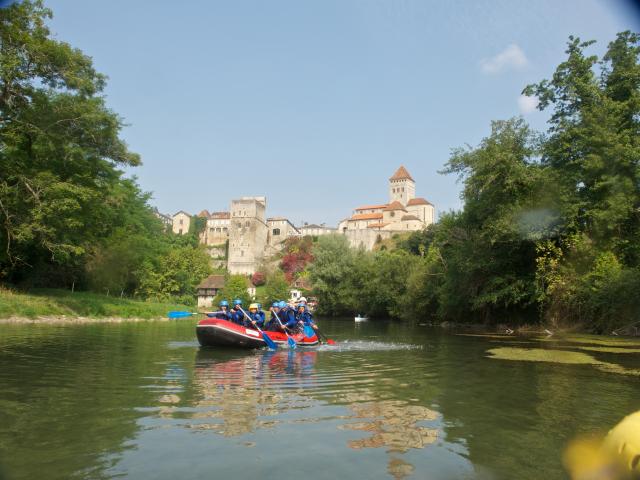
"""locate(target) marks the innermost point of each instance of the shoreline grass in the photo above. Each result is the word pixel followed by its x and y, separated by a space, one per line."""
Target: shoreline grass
pixel 43 303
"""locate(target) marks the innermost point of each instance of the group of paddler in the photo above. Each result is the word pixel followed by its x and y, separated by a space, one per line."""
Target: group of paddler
pixel 284 317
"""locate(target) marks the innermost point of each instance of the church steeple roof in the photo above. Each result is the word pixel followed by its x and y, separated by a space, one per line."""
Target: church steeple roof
pixel 402 174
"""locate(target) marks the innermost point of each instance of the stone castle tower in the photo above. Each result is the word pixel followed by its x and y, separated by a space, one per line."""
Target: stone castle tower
pixel 247 234
pixel 402 187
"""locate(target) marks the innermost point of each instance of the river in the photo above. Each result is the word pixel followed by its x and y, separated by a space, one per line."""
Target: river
pixel 144 401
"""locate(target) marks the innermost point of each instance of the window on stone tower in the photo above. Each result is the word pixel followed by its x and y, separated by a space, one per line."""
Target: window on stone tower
pixel 403 189
pixel 242 253
pixel 276 231
pixel 246 224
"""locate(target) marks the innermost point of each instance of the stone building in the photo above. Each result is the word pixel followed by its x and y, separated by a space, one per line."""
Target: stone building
pixel 241 238
pixel 214 236
pixel 248 234
pixel 314 230
pixel 280 228
pixel 216 230
pixel 181 223
pixel 404 213
pixel 167 220
pixel 211 286
pixel 208 289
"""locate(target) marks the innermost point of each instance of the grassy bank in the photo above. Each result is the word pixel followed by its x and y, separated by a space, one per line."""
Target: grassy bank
pixel 58 303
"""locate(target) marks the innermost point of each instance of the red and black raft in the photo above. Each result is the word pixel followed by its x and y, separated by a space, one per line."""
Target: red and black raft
pixel 214 332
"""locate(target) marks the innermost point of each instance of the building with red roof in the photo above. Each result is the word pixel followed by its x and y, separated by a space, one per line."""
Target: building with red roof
pixel 404 213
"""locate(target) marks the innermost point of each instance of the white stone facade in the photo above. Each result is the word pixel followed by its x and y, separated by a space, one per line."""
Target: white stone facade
pixel 181 223
pixel 403 213
pixel 316 230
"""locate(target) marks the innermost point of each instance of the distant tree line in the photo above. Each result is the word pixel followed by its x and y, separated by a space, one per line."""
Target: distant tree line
pixel 68 215
pixel 550 228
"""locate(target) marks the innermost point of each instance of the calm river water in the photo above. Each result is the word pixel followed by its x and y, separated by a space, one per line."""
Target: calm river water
pixel 143 401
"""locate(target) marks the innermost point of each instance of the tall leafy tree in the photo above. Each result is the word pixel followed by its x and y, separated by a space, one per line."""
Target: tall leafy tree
pixel 60 146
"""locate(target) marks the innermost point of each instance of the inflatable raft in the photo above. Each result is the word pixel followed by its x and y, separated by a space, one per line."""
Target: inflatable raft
pixel 214 332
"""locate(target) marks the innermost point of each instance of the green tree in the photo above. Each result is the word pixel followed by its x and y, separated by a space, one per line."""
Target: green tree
pixel 331 274
pixel 276 287
pixel 236 287
pixel 60 147
pixel 176 275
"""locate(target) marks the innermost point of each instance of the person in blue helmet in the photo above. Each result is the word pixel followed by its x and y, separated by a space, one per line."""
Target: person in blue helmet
pixel 273 325
pixel 304 316
pixel 223 313
pixel 237 316
pixel 288 317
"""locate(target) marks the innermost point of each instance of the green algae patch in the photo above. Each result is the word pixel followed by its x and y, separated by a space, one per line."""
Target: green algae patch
pixel 556 356
pixel 610 349
pixel 541 355
pixel 592 340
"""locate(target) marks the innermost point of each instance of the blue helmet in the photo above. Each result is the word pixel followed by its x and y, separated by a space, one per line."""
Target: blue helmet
pixel 223 303
pixel 302 305
pixel 275 304
pixel 282 304
pixel 259 306
pixel 237 301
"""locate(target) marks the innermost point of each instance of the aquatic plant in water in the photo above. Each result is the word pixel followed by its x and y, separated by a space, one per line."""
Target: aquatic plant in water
pixel 556 356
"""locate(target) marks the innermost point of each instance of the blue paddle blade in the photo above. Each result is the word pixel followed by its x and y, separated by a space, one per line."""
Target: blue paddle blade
pixel 270 343
pixel 292 343
pixel 308 331
pixel 179 314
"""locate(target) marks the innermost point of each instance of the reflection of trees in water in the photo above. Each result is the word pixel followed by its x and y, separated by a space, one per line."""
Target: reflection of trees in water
pixel 395 425
pixel 234 396
pixel 233 391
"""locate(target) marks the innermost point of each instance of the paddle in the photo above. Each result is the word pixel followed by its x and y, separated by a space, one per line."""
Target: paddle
pixel 179 314
pixel 292 343
pixel 270 343
pixel 324 337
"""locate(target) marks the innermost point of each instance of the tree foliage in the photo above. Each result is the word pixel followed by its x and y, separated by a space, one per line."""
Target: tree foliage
pixel 276 287
pixel 550 227
pixel 235 287
pixel 68 216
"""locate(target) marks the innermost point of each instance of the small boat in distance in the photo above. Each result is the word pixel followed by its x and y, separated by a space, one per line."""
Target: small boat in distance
pixel 359 318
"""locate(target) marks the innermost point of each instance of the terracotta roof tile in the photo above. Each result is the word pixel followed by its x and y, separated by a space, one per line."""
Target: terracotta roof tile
pixel 402 174
pixel 418 201
pixel 371 207
pixel 394 206
pixel 204 214
pixel 367 216
pixel 220 215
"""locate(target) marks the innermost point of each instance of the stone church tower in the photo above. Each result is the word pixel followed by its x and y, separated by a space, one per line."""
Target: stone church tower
pixel 247 234
pixel 402 187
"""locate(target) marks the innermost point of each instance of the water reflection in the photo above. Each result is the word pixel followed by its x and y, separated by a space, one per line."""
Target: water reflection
pixel 252 391
pixel 240 395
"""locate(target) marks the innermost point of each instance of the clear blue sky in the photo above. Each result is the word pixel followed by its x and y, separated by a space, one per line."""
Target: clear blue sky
pixel 316 103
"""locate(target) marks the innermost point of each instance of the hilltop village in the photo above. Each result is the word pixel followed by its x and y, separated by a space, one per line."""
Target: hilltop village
pixel 239 239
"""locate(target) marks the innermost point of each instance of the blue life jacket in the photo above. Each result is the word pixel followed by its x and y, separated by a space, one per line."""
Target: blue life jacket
pixel 223 315
pixel 288 318
pixel 237 317
pixel 272 324
pixel 305 317
pixel 256 317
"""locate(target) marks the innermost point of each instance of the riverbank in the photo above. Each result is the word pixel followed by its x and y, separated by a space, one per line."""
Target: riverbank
pixel 63 306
